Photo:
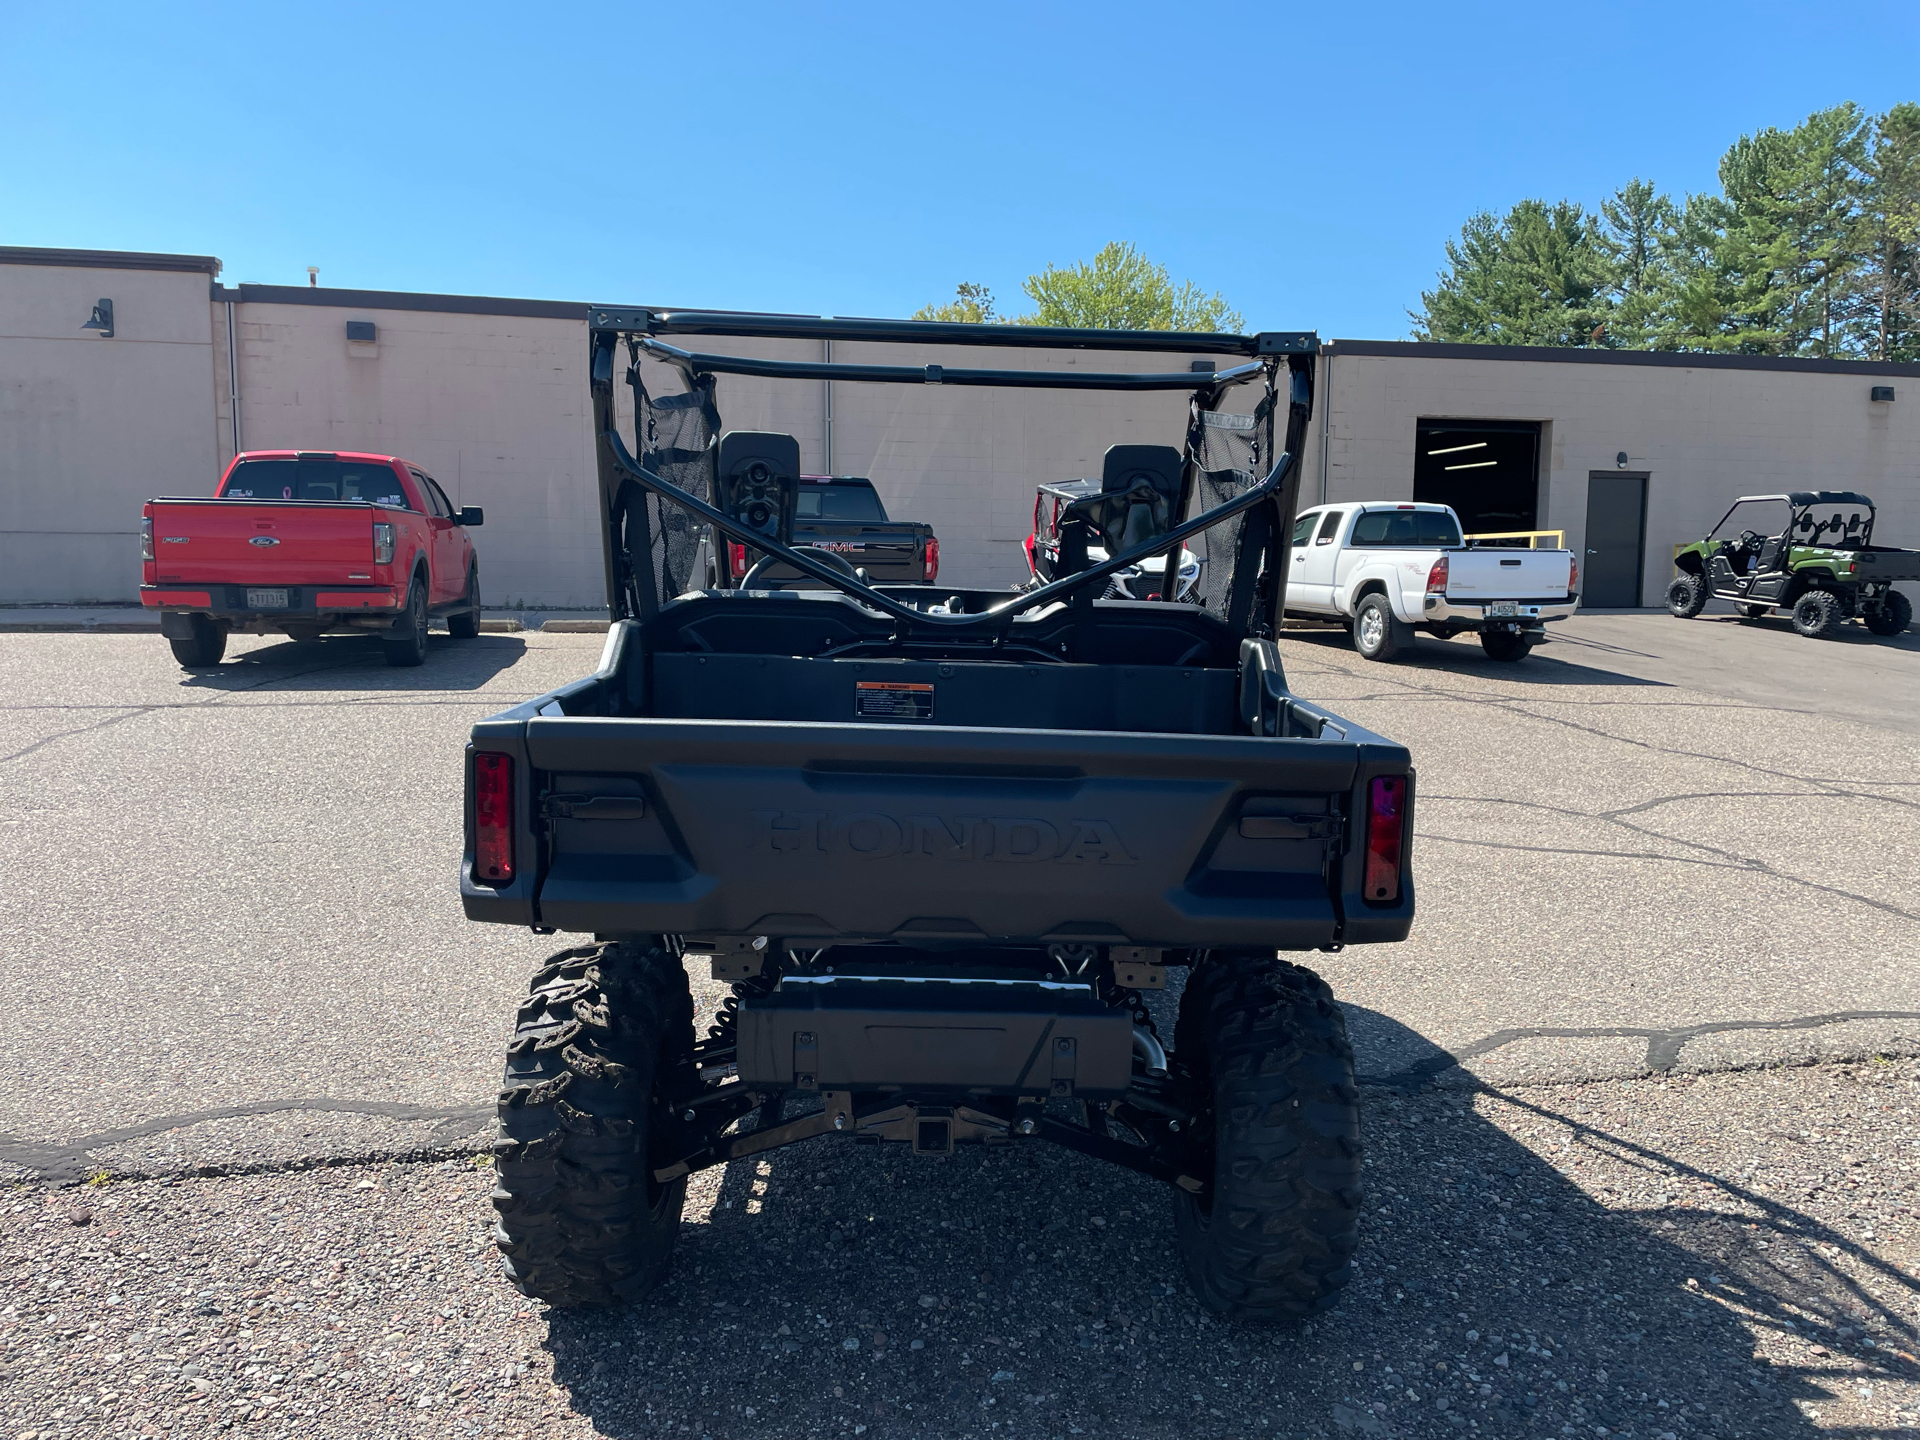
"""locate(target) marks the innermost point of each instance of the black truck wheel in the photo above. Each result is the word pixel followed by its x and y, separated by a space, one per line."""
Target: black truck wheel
pixel 201 648
pixel 1379 634
pixel 1817 614
pixel 1891 616
pixel 582 1221
pixel 1687 596
pixel 1265 1043
pixel 1505 644
pixel 465 624
pixel 406 643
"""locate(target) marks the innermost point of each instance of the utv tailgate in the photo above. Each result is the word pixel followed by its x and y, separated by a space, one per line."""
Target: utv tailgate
pixel 254 542
pixel 801 830
pixel 1493 574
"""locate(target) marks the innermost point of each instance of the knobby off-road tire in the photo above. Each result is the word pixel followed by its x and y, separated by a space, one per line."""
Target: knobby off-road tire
pixel 465 624
pixel 1687 596
pixel 1379 634
pixel 582 1221
pixel 203 647
pixel 1266 1043
pixel 406 643
pixel 1505 645
pixel 1818 614
pixel 1892 616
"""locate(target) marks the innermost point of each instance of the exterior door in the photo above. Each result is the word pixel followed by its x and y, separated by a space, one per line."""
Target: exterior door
pixel 446 558
pixel 1310 582
pixel 1611 569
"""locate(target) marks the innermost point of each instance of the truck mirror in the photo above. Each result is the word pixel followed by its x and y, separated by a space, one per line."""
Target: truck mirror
pixel 760 481
pixel 470 515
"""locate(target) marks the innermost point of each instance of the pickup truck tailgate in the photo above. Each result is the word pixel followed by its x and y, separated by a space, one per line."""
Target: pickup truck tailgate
pixel 238 542
pixel 1476 575
pixel 956 834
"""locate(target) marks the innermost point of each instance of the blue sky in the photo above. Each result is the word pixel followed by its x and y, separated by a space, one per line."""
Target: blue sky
pixel 861 159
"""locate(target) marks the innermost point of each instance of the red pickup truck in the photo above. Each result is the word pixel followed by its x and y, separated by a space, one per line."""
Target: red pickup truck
pixel 299 542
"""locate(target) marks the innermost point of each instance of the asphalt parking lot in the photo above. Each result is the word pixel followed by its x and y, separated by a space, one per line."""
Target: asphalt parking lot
pixel 1662 867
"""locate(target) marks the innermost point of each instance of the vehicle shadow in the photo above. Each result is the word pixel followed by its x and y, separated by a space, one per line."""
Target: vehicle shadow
pixel 1551 664
pixel 1907 640
pixel 836 1289
pixel 354 662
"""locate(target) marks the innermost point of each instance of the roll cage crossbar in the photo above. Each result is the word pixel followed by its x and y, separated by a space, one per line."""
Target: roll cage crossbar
pixel 629 544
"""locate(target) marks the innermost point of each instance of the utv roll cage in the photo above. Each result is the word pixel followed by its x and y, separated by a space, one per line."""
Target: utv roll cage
pixel 1230 466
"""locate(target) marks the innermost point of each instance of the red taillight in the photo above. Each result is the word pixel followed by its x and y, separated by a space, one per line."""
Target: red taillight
pixel 933 559
pixel 737 558
pixel 1437 577
pixel 1386 830
pixel 1573 574
pixel 493 818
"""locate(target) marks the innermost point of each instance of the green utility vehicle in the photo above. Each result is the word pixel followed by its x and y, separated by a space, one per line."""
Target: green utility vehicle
pixel 1807 553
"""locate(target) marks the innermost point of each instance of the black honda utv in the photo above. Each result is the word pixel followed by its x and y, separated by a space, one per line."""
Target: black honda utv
pixel 941 840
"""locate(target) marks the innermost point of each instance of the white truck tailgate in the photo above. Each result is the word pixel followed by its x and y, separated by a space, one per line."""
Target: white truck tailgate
pixel 1477 575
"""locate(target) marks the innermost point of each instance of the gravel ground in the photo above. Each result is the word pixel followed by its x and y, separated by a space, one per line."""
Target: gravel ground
pixel 1692 1256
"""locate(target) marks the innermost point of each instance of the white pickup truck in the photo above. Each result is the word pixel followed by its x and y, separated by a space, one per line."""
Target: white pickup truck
pixel 1386 566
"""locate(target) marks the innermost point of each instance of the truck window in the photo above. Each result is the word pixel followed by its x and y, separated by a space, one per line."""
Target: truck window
pixel 1329 527
pixel 840 502
pixel 1385 528
pixel 436 497
pixel 367 480
pixel 1303 527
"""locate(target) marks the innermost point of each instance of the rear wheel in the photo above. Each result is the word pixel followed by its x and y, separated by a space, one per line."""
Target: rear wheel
pixel 1266 1046
pixel 304 634
pixel 1817 614
pixel 1505 644
pixel 406 643
pixel 1687 596
pixel 582 1221
pixel 1379 634
pixel 465 624
pixel 201 648
pixel 1893 615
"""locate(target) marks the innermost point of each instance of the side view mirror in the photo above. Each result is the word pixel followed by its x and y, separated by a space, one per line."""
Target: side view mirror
pixel 470 515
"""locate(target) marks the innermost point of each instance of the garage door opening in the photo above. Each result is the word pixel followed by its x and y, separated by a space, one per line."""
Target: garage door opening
pixel 1487 470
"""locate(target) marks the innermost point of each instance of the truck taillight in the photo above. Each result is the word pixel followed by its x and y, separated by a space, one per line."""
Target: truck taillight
pixel 933 559
pixel 146 538
pixel 493 818
pixel 1437 577
pixel 1386 833
pixel 736 558
pixel 382 542
pixel 1573 574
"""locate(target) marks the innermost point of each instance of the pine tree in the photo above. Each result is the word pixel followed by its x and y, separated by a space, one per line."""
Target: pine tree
pixel 1884 309
pixel 1536 277
pixel 1636 235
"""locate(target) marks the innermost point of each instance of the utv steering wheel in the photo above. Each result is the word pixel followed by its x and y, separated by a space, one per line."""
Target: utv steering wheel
pixel 813 552
pixel 1751 540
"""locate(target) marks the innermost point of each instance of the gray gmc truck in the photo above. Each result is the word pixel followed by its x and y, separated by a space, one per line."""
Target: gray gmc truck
pixel 943 842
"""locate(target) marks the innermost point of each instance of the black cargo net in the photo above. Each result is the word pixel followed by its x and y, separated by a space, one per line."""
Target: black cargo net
pixel 677 435
pixel 1234 445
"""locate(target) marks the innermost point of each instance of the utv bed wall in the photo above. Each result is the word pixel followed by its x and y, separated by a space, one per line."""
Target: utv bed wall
pixel 822 832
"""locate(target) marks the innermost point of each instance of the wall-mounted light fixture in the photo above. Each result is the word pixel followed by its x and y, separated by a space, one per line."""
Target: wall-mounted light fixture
pixel 1620 461
pixel 101 321
pixel 1881 395
pixel 361 332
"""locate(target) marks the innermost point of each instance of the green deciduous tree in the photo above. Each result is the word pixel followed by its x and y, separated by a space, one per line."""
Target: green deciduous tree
pixel 1120 289
pixel 971 305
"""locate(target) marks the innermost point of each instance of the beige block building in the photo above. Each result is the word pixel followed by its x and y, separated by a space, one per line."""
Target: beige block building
pixel 490 396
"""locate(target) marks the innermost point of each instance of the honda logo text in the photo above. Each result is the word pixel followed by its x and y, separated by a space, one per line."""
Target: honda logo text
pixel 1002 839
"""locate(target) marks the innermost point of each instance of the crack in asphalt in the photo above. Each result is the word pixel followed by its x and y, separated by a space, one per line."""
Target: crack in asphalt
pixel 1663 1044
pixel 57 1163
pixel 1728 859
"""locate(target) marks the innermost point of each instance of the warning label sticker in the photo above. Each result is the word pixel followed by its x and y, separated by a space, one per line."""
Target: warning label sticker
pixel 891 700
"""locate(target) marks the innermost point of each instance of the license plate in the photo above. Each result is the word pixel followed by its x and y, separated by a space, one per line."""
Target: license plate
pixel 1503 609
pixel 266 599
